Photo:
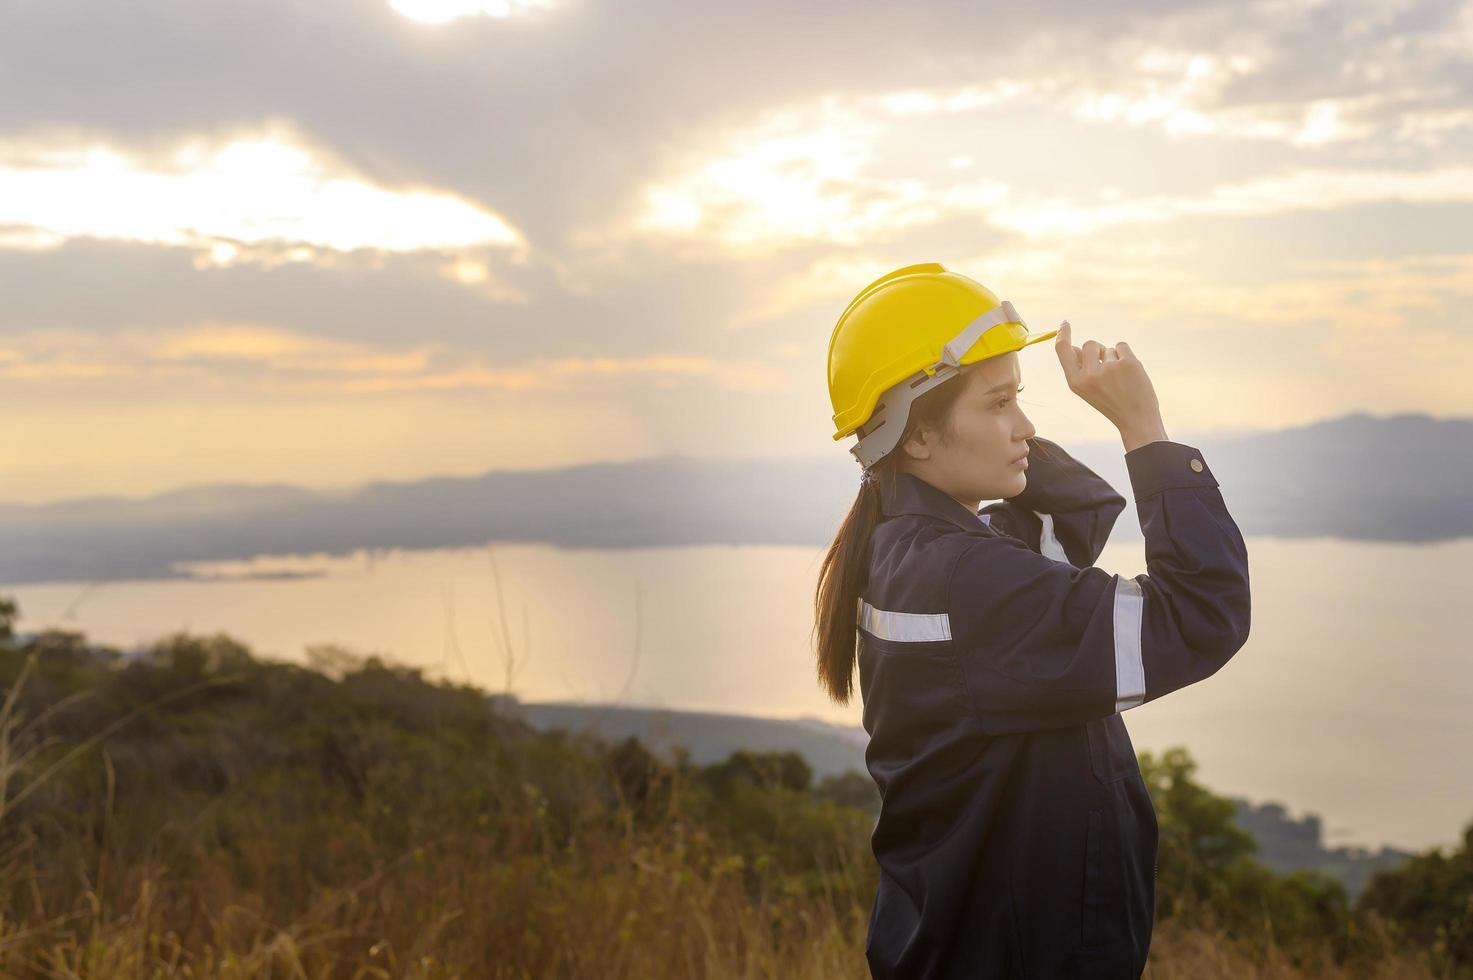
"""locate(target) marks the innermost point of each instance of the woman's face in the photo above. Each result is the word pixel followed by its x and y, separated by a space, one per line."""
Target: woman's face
pixel 977 459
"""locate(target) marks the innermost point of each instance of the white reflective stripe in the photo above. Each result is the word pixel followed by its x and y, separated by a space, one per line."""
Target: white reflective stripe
pixel 1050 543
pixel 904 627
pixel 1130 672
pixel 957 346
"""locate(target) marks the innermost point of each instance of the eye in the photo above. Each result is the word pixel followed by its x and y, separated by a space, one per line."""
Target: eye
pixel 1005 401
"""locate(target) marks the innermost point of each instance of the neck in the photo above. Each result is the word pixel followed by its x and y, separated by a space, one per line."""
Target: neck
pixel 922 472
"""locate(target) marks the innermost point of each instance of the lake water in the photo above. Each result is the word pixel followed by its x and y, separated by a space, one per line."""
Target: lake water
pixel 1351 698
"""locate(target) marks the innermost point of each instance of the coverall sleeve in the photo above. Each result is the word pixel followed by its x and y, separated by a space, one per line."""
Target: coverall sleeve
pixel 1044 643
pixel 1065 512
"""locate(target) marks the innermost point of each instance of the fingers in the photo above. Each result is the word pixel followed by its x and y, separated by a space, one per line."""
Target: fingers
pixel 1081 362
pixel 1092 354
pixel 1068 354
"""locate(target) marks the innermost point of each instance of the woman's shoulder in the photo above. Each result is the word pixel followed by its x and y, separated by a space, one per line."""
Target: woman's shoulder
pixel 921 550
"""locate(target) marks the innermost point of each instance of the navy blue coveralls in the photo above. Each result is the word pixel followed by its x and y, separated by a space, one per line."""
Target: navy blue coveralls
pixel 1016 837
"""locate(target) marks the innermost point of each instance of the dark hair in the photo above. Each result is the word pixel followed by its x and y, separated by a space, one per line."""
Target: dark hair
pixel 845 570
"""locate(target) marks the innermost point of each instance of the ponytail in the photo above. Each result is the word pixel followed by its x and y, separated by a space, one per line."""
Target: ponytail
pixel 841 581
pixel 845 570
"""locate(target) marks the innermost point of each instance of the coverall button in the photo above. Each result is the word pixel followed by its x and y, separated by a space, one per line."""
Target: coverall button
pixel 1196 465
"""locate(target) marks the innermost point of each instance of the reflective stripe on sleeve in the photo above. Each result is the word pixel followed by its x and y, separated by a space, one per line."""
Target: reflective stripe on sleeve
pixel 1049 542
pixel 904 627
pixel 1130 673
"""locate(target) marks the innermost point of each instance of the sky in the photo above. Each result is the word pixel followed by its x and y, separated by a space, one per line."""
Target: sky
pixel 347 240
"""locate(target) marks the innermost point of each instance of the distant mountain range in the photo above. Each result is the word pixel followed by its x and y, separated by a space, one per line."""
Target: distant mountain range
pixel 1398 478
pixel 1284 843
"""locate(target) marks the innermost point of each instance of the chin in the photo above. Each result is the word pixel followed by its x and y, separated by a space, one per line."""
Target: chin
pixel 1019 484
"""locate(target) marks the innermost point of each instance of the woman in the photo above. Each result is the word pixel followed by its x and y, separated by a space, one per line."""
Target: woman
pixel 1016 837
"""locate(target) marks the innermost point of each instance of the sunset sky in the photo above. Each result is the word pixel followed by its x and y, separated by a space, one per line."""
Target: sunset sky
pixel 333 241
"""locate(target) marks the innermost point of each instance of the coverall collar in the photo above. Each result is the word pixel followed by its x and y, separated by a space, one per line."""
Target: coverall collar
pixel 909 494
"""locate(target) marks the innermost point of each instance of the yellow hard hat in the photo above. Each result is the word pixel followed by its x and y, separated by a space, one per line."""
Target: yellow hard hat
pixel 904 334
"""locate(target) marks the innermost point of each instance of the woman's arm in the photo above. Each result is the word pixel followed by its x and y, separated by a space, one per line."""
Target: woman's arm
pixel 1044 643
pixel 1066 512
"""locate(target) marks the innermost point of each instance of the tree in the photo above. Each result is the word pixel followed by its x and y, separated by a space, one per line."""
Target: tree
pixel 852 788
pixel 1430 898
pixel 1200 839
pixel 788 770
pixel 8 615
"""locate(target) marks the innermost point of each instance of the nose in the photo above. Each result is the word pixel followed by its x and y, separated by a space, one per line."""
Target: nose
pixel 1028 431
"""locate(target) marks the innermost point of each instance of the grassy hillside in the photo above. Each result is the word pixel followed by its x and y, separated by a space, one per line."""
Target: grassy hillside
pixel 198 812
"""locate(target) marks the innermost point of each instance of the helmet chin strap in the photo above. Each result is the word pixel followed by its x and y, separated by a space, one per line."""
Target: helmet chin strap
pixel 881 433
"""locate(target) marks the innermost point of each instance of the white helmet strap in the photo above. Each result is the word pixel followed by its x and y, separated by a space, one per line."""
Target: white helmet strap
pixel 881 433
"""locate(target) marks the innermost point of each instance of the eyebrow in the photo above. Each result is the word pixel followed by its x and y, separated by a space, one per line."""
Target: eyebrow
pixel 1005 384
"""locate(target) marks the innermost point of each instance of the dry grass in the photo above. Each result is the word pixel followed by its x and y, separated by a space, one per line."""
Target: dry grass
pixel 459 910
pixel 1181 952
pixel 469 915
pixel 442 852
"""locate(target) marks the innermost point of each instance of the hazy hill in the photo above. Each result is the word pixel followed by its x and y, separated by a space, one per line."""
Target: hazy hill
pixel 1401 478
pixel 1287 844
pixel 830 750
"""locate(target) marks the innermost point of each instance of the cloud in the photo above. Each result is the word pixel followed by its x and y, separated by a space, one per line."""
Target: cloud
pixel 265 191
pixel 282 351
pixel 662 370
pixel 832 280
pixel 267 358
pixel 814 174
pixel 1387 301
pixel 1311 190
pixel 543 120
pixel 1305 72
pixel 796 177
pixel 445 11
pixel 50 371
pixel 823 169
pixel 645 215
pixel 214 355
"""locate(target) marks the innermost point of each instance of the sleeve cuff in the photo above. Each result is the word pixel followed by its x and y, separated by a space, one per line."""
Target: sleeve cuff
pixel 1166 465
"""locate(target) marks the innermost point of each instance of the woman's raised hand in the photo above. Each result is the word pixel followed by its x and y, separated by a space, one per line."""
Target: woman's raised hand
pixel 1114 381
